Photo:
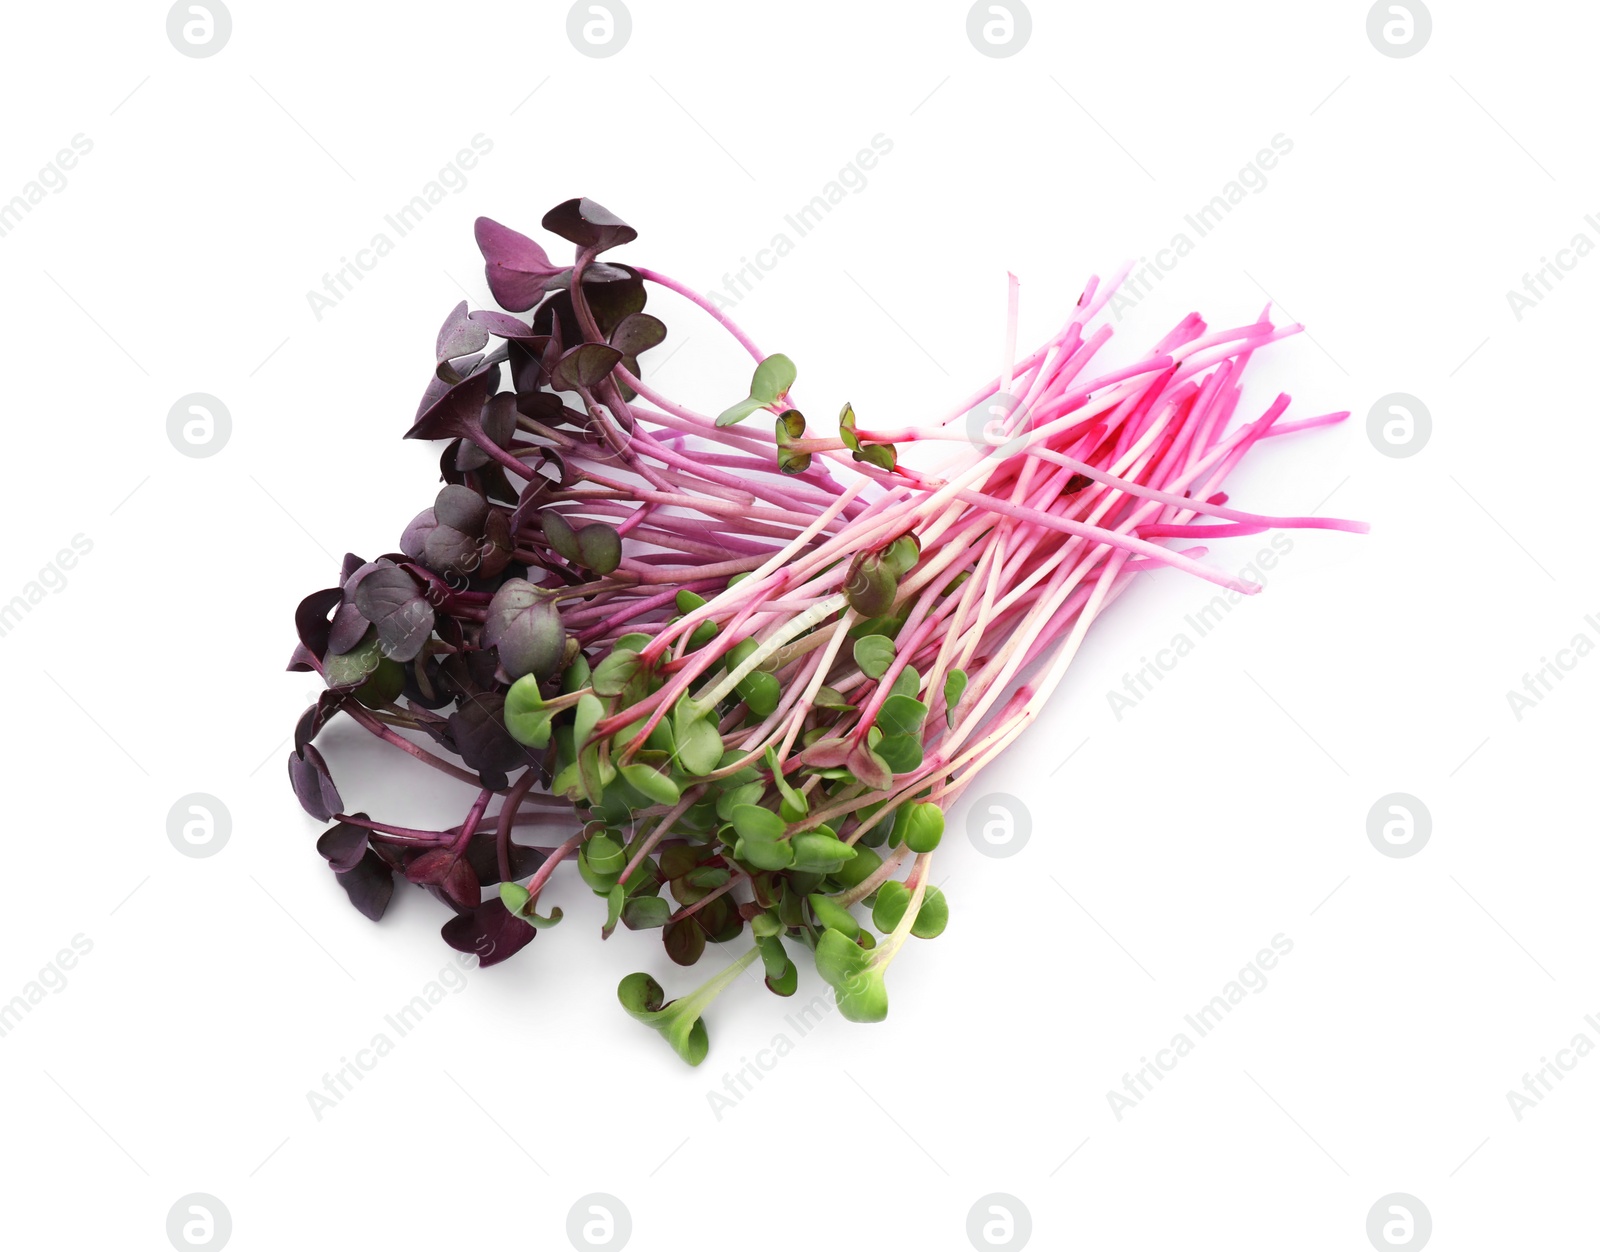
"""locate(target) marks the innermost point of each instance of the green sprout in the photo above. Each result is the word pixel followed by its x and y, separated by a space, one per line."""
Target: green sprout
pixel 678 1021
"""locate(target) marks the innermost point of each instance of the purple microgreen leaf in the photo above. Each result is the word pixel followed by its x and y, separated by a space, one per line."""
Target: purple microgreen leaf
pixel 461 508
pixel 484 857
pixel 308 774
pixel 447 408
pixel 501 324
pixel 459 336
pixel 636 334
pixel 868 767
pixel 311 619
pixel 524 625
pixel 499 423
pixel 416 534
pixel 370 885
pixel 449 551
pixel 451 874
pixel 478 732
pixel 390 599
pixel 496 546
pixel 349 626
pixel 827 753
pixel 343 845
pixel 589 225
pixel 490 931
pixel 516 267
pixel 586 366
pixel 316 717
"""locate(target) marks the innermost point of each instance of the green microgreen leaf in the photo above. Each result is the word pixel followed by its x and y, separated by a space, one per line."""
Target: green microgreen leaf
pixel 902 555
pixel 768 385
pixel 587 717
pixel 754 823
pixel 874 654
pixel 858 868
pixel 736 413
pixel 527 720
pixel 890 907
pixel 576 676
pixel 834 916
pixel 599 548
pixel 772 379
pixel 605 855
pixel 901 715
pixel 560 535
pixel 614 673
pixel 351 669
pixel 820 850
pixel 678 1021
pixel 765 925
pixel 520 904
pixel 744 793
pixel 764 854
pixel 882 455
pixel 598 882
pixel 789 427
pixel 856 981
pixel 847 428
pixel 920 825
pixel 699 745
pixel 615 899
pixel 652 784
pixel 773 956
pixel 645 912
pixel 955 685
pixel 760 691
pixel 786 983
pixel 907 682
pixel 901 753
pixel 793 806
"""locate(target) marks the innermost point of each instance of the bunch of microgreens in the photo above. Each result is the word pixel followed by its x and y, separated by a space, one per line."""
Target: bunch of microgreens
pixel 737 691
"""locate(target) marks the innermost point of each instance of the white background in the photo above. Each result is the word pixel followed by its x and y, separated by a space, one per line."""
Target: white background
pixel 1228 807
